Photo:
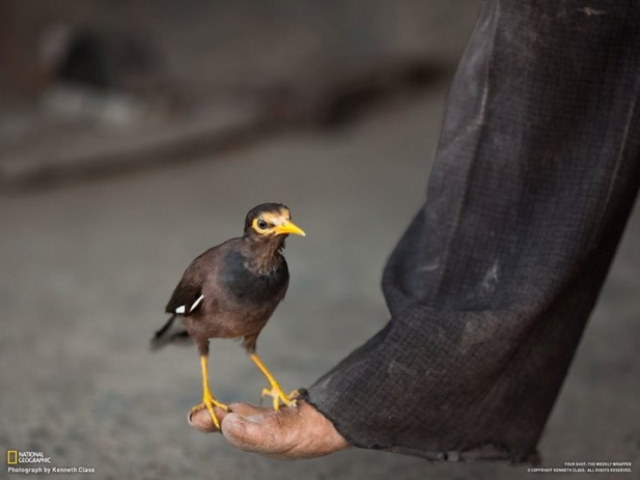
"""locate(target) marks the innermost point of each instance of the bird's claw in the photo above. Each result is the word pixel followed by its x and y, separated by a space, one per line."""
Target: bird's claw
pixel 279 396
pixel 209 402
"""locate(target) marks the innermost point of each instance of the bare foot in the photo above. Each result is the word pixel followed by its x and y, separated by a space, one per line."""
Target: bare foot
pixel 292 433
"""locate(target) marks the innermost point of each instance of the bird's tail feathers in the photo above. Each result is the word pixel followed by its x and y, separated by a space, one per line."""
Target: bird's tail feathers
pixel 171 332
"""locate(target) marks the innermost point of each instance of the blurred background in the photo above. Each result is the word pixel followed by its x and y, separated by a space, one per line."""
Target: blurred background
pixel 136 134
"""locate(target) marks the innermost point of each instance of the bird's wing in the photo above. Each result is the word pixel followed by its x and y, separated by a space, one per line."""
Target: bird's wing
pixel 187 296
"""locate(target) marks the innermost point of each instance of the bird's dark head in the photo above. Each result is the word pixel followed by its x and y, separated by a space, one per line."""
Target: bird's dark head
pixel 271 222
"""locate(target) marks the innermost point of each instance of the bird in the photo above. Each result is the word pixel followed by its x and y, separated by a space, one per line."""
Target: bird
pixel 231 291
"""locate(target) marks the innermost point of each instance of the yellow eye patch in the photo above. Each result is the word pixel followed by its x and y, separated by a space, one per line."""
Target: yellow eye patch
pixel 275 223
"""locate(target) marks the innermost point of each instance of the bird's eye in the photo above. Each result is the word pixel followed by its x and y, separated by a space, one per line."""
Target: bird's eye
pixel 262 224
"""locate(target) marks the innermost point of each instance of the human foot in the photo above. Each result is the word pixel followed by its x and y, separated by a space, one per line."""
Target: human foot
pixel 291 433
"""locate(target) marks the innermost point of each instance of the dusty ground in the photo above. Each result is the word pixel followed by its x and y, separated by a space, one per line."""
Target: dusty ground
pixel 86 271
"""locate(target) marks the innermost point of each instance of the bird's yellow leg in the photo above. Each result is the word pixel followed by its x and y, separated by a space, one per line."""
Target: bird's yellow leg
pixel 208 400
pixel 276 390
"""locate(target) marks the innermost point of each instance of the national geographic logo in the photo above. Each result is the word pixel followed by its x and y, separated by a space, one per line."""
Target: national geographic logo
pixel 37 463
pixel 16 457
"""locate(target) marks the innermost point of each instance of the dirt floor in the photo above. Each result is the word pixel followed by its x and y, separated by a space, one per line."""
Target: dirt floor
pixel 87 269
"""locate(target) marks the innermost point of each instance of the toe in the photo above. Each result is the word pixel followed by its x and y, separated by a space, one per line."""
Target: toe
pixel 246 433
pixel 200 419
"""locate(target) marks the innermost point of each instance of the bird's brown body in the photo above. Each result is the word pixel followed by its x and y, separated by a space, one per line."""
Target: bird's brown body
pixel 231 291
pixel 243 291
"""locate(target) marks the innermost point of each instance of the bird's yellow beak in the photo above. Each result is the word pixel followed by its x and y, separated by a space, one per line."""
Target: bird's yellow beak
pixel 288 227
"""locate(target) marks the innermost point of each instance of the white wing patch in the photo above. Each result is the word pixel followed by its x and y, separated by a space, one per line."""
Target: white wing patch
pixel 195 304
pixel 182 309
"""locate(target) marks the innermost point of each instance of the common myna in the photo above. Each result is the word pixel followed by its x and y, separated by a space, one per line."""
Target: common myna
pixel 230 291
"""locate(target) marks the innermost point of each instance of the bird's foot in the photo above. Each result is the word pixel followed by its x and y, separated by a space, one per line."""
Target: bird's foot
pixel 279 396
pixel 208 402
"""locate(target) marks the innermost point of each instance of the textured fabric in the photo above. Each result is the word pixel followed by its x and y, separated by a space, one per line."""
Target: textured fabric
pixel 490 287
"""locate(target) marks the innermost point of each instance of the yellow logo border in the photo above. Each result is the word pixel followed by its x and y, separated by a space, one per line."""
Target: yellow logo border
pixel 12 457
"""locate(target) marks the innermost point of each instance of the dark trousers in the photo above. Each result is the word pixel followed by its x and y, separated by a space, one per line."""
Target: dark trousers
pixel 490 287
